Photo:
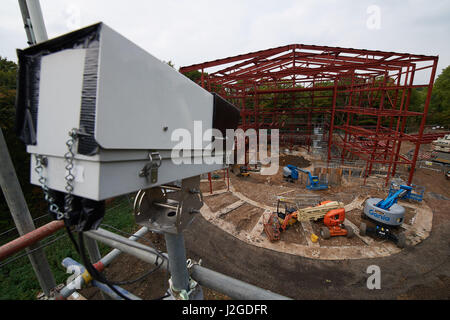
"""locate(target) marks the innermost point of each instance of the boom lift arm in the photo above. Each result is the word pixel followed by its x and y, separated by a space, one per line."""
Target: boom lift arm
pixel 392 198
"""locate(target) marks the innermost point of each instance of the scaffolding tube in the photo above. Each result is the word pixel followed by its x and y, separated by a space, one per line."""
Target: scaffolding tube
pixel 235 289
pixel 29 239
pixel 69 289
pixel 177 261
pixel 68 262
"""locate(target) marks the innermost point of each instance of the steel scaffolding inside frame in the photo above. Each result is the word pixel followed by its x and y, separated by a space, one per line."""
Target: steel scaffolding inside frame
pixel 360 97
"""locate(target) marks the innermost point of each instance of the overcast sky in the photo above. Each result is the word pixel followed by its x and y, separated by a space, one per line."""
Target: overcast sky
pixel 194 31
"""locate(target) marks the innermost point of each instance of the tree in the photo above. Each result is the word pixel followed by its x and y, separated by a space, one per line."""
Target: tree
pixel 194 75
pixel 169 63
pixel 440 100
pixel 17 150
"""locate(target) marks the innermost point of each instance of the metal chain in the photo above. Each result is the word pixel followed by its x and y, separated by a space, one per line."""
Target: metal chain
pixel 41 162
pixel 69 157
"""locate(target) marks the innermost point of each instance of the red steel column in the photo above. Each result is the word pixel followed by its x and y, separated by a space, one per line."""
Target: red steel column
pixel 333 111
pixel 397 153
pixel 403 104
pixel 348 117
pixel 424 119
pixel 380 109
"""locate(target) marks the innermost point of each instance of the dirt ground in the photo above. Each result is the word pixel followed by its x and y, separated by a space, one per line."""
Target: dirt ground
pixel 220 201
pixel 420 272
pixel 294 160
pixel 245 217
pixel 294 234
pixel 434 182
pixel 417 272
pixel 265 189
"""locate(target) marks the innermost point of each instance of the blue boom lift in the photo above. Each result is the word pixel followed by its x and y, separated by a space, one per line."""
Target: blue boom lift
pixel 291 172
pixel 387 214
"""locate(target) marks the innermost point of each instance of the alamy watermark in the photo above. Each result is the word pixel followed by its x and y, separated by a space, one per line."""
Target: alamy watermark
pixel 374 280
pixel 211 147
pixel 74 281
pixel 373 22
pixel 72 15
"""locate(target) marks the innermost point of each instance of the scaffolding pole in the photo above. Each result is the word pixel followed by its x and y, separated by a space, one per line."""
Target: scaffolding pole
pixel 68 262
pixel 33 21
pixel 94 255
pixel 29 239
pixel 177 261
pixel 70 288
pixel 235 289
pixel 22 217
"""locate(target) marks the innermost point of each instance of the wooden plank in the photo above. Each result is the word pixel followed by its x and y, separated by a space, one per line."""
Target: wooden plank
pixel 221 213
pixel 215 193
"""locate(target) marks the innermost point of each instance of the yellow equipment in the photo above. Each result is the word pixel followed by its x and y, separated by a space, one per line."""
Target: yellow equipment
pixel 291 216
pixel 244 171
pixel 318 212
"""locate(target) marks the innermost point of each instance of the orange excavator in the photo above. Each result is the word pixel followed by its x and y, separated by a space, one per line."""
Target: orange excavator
pixel 334 222
pixel 275 225
pixel 272 228
pixel 279 221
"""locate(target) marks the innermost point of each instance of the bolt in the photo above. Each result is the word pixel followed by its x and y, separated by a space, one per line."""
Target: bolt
pixel 44 161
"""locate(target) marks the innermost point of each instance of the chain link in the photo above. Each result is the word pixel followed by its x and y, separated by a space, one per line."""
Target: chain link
pixel 42 161
pixel 70 178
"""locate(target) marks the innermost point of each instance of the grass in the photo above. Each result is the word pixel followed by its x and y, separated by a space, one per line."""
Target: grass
pixel 17 279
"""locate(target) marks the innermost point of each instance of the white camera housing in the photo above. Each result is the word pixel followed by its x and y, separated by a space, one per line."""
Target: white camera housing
pixel 123 102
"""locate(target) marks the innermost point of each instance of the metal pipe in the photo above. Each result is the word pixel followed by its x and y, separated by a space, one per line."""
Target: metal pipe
pixel 125 245
pixel 104 262
pixel 111 256
pixel 177 261
pixel 234 288
pixel 107 290
pixel 26 22
pixel 29 238
pixel 37 21
pixel 67 262
pixel 22 218
pixel 94 255
pixel 165 205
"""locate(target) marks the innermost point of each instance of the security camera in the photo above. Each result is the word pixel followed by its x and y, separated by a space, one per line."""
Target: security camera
pixel 97 112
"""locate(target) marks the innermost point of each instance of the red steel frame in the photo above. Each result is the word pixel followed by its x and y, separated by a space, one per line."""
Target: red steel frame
pixel 296 87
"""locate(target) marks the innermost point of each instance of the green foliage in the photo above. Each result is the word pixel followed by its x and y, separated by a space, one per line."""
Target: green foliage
pixel 16 148
pixel 17 279
pixel 194 75
pixel 439 108
pixel 169 63
pixel 440 100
